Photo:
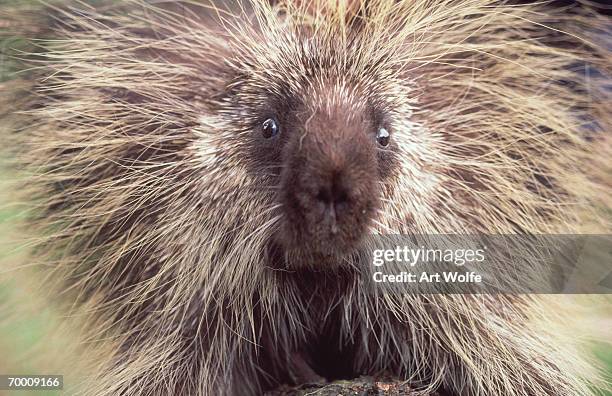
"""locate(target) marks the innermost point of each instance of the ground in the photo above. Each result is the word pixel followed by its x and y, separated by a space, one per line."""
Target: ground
pixel 362 386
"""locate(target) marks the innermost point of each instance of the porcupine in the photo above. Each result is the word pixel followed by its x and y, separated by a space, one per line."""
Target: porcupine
pixel 204 175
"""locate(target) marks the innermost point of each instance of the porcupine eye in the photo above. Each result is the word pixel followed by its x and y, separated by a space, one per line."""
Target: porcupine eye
pixel 382 137
pixel 269 128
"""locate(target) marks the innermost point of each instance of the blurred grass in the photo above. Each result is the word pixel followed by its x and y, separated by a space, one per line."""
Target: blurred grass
pixel 25 329
pixel 21 333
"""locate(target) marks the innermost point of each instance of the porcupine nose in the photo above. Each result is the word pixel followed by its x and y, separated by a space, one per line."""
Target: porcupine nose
pixel 330 193
pixel 332 199
pixel 328 185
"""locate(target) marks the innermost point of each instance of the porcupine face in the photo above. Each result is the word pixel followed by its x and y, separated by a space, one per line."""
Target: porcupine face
pixel 332 164
pixel 328 130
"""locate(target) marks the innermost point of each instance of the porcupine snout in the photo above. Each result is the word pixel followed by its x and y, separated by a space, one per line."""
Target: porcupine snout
pixel 329 183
